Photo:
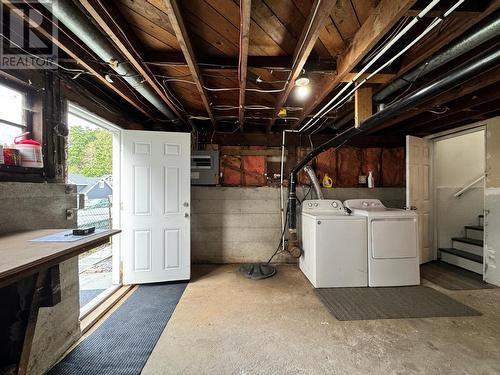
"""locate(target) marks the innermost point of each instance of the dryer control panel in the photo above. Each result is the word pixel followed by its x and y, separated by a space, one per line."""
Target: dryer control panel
pixel 316 205
pixel 363 204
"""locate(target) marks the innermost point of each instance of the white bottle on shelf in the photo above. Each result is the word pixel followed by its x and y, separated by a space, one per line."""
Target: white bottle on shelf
pixel 371 181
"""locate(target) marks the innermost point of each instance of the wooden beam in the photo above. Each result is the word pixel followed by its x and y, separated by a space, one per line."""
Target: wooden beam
pixel 477 98
pixel 106 17
pixel 245 11
pixel 485 79
pixel 175 16
pixel 319 15
pixel 293 139
pixel 362 105
pixel 378 24
pixel 78 54
pixel 377 78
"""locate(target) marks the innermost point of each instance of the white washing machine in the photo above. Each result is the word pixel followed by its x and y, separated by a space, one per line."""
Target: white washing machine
pixel 393 258
pixel 334 245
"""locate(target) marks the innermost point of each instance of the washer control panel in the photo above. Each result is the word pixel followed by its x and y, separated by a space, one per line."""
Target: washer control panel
pixel 363 204
pixel 315 205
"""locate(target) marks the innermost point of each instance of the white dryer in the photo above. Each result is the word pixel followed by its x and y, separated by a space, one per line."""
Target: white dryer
pixel 393 258
pixel 334 245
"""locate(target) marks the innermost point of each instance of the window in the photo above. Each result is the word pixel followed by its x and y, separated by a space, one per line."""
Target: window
pixel 12 114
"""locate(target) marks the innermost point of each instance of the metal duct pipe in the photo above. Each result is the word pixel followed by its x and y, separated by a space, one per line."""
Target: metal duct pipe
pixel 71 17
pixel 486 30
pixel 314 181
pixel 455 77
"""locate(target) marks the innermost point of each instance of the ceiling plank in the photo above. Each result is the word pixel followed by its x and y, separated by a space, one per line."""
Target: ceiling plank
pixel 382 19
pixel 318 17
pixel 106 17
pixel 246 9
pixel 63 42
pixel 177 22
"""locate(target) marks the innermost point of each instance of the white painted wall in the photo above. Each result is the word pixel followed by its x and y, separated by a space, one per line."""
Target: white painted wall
pixel 457 162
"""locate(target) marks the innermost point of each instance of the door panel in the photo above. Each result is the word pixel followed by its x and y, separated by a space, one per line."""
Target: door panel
pixel 492 202
pixel 418 181
pixel 155 206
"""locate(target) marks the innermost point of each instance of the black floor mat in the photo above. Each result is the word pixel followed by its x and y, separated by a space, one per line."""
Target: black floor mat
pixel 391 303
pixel 122 344
pixel 453 278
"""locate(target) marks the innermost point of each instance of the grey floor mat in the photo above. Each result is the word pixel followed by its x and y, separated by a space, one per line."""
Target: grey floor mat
pixel 451 277
pixel 122 344
pixel 391 303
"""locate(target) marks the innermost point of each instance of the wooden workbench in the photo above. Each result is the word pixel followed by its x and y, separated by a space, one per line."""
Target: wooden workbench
pixel 36 264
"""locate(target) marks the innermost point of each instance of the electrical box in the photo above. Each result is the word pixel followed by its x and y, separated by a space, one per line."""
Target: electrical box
pixel 204 167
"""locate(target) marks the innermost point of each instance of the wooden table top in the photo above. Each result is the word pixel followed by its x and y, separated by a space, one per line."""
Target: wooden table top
pixel 20 258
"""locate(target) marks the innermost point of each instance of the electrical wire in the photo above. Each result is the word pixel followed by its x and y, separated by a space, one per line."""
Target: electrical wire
pixel 333 105
pixel 277 251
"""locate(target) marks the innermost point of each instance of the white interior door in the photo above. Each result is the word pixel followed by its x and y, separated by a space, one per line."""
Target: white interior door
pixel 492 202
pixel 418 191
pixel 155 209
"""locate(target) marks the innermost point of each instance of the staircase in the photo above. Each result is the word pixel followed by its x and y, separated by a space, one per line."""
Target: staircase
pixel 467 252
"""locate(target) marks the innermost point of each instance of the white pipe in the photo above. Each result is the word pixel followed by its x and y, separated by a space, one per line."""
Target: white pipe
pixel 316 117
pixel 434 23
pixel 282 172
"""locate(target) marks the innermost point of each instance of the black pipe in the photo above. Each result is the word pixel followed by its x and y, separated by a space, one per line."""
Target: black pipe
pixel 457 76
pixel 480 33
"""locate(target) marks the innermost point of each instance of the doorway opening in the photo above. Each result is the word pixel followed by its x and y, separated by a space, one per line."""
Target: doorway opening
pixel 459 173
pixel 92 168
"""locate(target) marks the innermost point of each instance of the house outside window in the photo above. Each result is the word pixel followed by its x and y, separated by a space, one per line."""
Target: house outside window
pixel 12 114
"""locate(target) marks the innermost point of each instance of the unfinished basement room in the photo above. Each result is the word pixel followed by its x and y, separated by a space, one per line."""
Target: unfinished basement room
pixel 249 187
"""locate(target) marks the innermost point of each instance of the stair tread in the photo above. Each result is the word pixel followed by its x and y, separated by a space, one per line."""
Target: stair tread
pixel 475 227
pixel 470 241
pixel 463 254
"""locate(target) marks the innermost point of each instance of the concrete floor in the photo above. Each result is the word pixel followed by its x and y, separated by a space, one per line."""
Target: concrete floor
pixel 225 324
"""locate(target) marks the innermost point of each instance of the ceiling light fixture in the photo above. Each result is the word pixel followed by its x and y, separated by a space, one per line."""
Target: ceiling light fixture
pixel 302 79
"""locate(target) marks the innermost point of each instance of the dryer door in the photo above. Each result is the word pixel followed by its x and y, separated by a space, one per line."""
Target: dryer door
pixel 394 238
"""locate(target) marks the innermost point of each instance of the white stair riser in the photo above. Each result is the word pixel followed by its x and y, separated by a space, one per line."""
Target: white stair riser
pixel 481 221
pixel 474 234
pixel 473 249
pixel 462 262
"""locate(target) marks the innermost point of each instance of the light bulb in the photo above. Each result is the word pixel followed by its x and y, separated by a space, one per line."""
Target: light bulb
pixel 302 92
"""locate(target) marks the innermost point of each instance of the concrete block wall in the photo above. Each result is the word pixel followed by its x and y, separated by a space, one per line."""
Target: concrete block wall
pixel 27 206
pixel 243 224
pixel 234 224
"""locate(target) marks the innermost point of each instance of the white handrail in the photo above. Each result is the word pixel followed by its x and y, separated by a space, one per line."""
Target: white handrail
pixel 466 188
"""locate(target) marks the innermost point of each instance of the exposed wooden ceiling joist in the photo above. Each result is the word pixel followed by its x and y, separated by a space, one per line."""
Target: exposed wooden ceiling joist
pixel 317 19
pixel 484 95
pixel 174 14
pixel 230 63
pixel 105 16
pixel 246 8
pixel 487 78
pixel 63 42
pixel 385 16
